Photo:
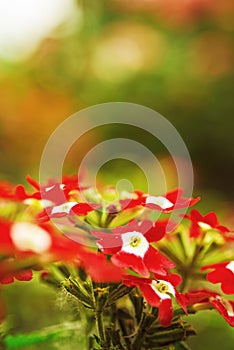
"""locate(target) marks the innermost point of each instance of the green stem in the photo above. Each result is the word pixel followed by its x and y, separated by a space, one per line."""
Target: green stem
pixel 139 339
pixel 125 334
pixel 186 272
pixel 100 327
pixel 145 323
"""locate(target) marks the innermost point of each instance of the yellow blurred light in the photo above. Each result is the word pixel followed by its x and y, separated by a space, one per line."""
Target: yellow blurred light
pixel 124 49
pixel 25 23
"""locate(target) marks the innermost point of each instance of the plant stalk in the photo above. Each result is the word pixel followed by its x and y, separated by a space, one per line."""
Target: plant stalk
pixel 100 327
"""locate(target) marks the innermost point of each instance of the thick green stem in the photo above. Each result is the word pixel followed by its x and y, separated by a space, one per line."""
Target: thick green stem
pixel 189 269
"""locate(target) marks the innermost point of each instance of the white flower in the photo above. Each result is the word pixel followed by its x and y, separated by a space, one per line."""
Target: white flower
pixel 27 236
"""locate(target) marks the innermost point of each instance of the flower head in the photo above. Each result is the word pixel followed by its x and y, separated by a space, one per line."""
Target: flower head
pixel 206 299
pixel 201 223
pixel 130 246
pixel 159 293
pixel 165 203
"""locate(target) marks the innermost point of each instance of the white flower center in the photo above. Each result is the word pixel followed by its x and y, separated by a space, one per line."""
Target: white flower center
pixel 162 202
pixel 204 226
pixel 163 288
pixel 135 243
pixel 230 266
pixel 27 236
pixel 63 208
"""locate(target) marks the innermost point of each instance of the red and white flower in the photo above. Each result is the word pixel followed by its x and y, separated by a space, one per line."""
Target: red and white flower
pixel 159 293
pixel 223 273
pixel 65 209
pixel 53 193
pixel 170 201
pixel 166 203
pixel 42 244
pixel 205 299
pixel 200 223
pixel 130 246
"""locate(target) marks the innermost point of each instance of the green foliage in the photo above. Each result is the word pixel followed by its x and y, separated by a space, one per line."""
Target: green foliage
pixel 50 334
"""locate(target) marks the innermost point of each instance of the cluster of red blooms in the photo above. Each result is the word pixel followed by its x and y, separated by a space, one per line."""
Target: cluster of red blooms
pixel 131 253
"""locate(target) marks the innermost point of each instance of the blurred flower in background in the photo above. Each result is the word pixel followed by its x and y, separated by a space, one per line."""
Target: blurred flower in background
pixel 125 49
pixel 57 57
pixel 24 24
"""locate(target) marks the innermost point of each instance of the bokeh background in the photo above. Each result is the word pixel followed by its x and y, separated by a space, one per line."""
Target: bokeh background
pixel 174 56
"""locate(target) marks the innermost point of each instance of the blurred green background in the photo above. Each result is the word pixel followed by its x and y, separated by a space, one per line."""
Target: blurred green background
pixel 176 57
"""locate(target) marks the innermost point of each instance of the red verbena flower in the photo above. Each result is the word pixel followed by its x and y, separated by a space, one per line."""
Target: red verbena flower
pixel 206 222
pixel 166 203
pixel 65 209
pixel 26 238
pixel 130 246
pixel 223 273
pixel 53 193
pixel 205 299
pixel 42 242
pixel 159 293
pixel 170 201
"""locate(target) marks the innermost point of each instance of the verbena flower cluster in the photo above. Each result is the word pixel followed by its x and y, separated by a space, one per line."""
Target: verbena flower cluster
pixel 118 246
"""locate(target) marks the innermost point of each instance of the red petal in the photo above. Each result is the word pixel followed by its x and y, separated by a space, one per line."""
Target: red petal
pixel 157 262
pixel 223 311
pixel 6 244
pixel 181 299
pixel 165 313
pixel 123 259
pixel 157 231
pixel 110 243
pixel 81 209
pixel 7 280
pixel 198 296
pixel 150 295
pixel 33 182
pixel 24 275
pixel 99 268
pixel 211 219
pixel 174 279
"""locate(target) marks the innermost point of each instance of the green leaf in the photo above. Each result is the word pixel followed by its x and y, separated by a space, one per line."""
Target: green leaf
pixel 75 288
